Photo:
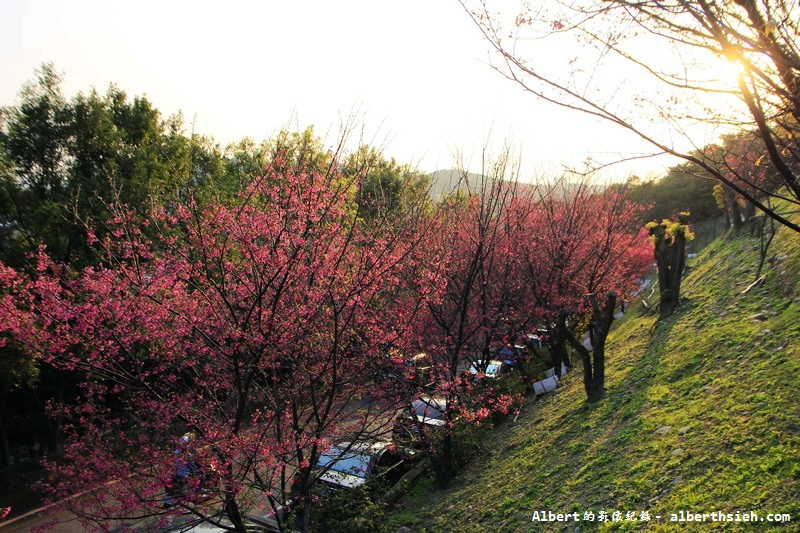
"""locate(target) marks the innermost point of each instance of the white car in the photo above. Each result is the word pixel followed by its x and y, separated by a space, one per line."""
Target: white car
pixel 351 464
pixel 424 413
pixel 492 371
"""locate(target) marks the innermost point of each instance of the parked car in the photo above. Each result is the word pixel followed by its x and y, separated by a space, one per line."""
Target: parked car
pixel 492 371
pixel 417 370
pixel 424 413
pixel 540 338
pixel 535 339
pixel 510 354
pixel 351 464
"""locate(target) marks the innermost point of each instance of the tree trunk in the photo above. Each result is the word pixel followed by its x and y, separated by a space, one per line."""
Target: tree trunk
pixel 446 470
pixel 669 250
pixel 233 513
pixel 749 212
pixel 54 422
pixel 5 448
pixel 558 351
pixel 594 364
pixel 443 468
pixel 734 210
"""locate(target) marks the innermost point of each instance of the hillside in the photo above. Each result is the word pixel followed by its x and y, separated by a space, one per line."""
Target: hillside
pixel 702 415
pixel 446 182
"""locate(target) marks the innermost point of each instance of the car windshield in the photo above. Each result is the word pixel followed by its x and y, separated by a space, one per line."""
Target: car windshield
pixel 493 368
pixel 428 409
pixel 350 463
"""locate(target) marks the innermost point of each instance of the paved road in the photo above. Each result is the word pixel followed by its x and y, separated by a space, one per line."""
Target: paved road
pixel 64 522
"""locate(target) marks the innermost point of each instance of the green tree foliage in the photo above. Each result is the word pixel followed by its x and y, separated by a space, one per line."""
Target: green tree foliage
pixel 387 188
pixel 246 159
pixel 124 150
pixel 302 150
pixel 741 157
pixel 242 160
pixel 65 161
pixel 35 138
pixel 207 171
pixel 683 188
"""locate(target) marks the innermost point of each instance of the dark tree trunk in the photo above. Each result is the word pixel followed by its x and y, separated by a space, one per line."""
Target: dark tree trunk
pixel 558 351
pixel 765 239
pixel 594 363
pixel 51 387
pixel 443 463
pixel 5 448
pixel 446 472
pixel 54 422
pixel 749 212
pixel 669 250
pixel 233 513
pixel 734 211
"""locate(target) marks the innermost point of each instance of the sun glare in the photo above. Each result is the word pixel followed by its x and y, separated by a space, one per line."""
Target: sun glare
pixel 725 72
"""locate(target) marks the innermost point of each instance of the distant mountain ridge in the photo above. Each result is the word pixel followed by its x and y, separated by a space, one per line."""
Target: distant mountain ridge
pixel 445 182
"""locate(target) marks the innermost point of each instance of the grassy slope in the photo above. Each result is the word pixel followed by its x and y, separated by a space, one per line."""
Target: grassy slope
pixel 732 380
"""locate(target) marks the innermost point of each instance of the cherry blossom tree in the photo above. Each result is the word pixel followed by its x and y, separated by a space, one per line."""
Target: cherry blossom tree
pixel 473 242
pixel 245 326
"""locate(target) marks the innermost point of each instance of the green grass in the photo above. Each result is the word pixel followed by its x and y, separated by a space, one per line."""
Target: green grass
pixel 726 382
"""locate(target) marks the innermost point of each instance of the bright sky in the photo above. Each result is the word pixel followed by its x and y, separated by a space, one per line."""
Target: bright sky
pixel 415 72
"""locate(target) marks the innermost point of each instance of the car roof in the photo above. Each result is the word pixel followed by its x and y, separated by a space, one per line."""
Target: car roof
pixel 431 401
pixel 361 447
pixel 491 362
